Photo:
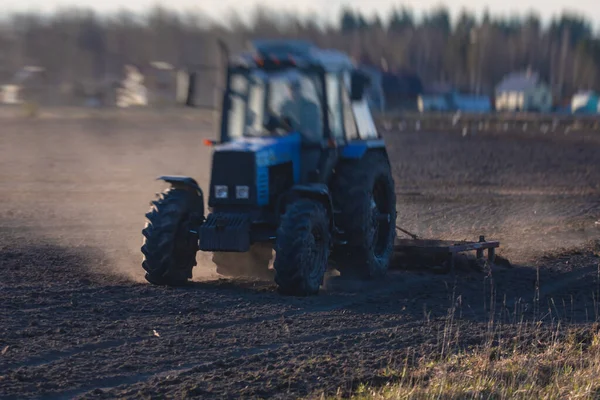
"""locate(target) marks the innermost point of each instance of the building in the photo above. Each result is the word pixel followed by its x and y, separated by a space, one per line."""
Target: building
pixel 9 94
pixel 390 90
pixel 442 96
pixel 401 89
pixel 454 101
pixel 160 79
pixel 432 102
pixel 28 85
pixel 523 91
pixel 586 102
pixel 132 91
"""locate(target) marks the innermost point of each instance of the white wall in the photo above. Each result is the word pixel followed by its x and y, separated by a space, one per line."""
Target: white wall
pixel 538 98
pixel 9 94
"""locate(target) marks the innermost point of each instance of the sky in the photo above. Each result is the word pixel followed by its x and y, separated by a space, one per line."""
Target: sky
pixel 329 10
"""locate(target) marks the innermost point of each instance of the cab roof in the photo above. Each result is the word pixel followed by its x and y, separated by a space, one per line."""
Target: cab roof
pixel 292 53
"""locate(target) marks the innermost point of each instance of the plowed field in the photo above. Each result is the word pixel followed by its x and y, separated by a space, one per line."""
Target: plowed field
pixel 77 320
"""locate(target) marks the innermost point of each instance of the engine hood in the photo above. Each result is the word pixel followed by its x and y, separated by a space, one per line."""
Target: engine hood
pixel 256 144
pixel 271 150
pixel 246 161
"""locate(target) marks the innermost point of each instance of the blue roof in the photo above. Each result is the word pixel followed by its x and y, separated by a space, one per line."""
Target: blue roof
pixel 302 51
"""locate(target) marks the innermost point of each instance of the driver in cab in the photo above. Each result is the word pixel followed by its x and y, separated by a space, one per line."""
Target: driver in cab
pixel 304 114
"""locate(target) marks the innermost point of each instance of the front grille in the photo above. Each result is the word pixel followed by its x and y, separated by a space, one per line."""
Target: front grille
pixel 232 168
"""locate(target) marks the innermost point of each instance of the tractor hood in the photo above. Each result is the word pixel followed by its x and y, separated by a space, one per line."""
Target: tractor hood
pixel 252 144
pixel 247 162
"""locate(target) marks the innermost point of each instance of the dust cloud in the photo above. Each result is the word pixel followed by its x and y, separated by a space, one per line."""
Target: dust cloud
pixel 87 182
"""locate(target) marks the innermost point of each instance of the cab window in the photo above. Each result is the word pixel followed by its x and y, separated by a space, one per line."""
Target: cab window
pixel 298 100
pixel 237 112
pixel 349 121
pixel 336 125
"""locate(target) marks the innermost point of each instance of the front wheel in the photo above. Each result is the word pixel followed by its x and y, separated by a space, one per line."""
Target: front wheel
pixel 302 248
pixel 170 245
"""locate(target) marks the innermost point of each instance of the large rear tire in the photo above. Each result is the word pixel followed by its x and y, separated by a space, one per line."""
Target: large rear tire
pixel 302 248
pixel 364 193
pixel 251 264
pixel 170 246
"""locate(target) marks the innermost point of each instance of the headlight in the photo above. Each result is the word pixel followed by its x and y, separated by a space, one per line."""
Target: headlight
pixel 221 191
pixel 242 192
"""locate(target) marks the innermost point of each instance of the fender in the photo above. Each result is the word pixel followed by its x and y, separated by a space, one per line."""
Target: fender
pixel 355 149
pixel 315 191
pixel 182 182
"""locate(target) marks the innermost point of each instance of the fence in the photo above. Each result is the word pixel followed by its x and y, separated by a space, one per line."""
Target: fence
pixel 499 122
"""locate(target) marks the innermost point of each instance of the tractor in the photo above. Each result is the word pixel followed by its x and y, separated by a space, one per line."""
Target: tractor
pixel 299 168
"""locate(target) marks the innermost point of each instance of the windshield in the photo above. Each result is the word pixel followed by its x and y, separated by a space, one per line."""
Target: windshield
pixel 264 104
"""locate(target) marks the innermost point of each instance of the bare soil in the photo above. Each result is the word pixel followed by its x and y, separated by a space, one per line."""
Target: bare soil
pixel 79 321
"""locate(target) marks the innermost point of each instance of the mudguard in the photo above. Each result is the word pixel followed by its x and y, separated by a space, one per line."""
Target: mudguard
pixel 315 191
pixel 178 182
pixel 356 149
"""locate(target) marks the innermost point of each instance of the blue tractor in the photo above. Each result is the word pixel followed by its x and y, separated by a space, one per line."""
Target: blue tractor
pixel 299 168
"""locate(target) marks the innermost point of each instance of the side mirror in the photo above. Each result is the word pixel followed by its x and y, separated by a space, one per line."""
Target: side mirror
pixel 359 81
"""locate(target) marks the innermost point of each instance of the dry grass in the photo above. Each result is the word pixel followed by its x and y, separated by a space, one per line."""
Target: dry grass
pixel 517 361
pixel 567 369
pixel 514 358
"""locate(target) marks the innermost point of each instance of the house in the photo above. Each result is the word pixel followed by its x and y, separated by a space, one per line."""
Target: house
pixel 585 102
pixel 440 96
pixel 523 91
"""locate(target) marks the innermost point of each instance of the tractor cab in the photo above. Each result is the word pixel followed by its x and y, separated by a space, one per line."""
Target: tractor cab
pixel 290 89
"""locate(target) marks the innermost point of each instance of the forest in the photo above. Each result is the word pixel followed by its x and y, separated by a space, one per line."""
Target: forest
pixel 471 53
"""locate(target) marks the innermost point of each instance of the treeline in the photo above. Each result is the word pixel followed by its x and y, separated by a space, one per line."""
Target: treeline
pixel 472 54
